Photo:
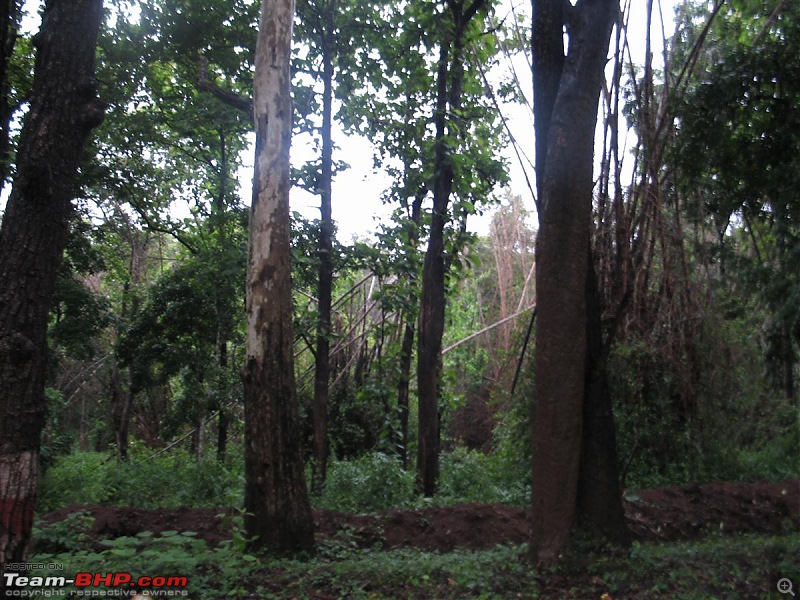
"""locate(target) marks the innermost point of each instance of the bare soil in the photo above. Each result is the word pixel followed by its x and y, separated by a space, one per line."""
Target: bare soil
pixel 665 514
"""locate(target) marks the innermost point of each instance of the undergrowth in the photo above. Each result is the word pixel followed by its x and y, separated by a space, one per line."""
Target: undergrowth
pixel 371 483
pixel 718 567
pixel 171 480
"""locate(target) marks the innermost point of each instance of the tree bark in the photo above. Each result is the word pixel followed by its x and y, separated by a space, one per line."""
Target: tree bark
pixel 222 417
pixel 123 397
pixel 63 110
pixel 322 367
pixel 432 302
pixel 565 203
pixel 276 498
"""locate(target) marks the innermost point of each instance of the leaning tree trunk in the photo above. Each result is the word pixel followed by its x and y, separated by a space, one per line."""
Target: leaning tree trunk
pixel 572 85
pixel 276 498
pixel 63 110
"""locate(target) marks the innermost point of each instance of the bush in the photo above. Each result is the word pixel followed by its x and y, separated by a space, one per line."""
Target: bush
pixel 706 415
pixel 168 481
pixel 79 478
pixel 469 476
pixel 367 484
pixel 376 482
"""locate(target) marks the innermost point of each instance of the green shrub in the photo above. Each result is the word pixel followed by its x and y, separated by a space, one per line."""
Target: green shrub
pixel 376 482
pixel 79 478
pixel 469 476
pixel 169 481
pixel 774 459
pixel 703 413
pixel 69 535
pixel 367 484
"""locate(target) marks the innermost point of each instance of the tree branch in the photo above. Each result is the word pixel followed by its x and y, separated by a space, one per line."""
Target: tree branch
pixel 232 99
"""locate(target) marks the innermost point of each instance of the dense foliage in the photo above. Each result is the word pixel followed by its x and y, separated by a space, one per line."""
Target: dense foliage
pixel 148 306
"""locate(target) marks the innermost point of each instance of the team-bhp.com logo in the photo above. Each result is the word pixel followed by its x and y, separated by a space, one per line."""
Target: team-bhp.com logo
pixel 123 583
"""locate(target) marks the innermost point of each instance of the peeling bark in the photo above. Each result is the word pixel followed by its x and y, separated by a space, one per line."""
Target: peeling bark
pixel 276 498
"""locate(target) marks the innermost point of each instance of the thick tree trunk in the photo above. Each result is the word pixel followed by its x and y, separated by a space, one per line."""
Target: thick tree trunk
pixel 322 367
pixel 565 205
pixel 63 111
pixel 276 498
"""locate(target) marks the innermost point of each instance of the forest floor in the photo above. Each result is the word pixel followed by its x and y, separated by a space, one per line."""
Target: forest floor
pixel 699 541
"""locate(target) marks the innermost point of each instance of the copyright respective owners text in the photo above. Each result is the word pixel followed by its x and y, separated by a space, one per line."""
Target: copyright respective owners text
pixel 37 580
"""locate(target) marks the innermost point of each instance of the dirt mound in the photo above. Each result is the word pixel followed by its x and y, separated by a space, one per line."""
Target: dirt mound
pixel 659 514
pixel 473 526
pixel 116 521
pixel 691 511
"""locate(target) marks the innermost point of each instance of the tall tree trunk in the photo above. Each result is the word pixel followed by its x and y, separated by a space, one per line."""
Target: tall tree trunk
pixel 565 203
pixel 409 331
pixel 222 310
pixel 276 498
pixel 449 82
pixel 432 302
pixel 63 110
pixel 124 396
pixel 325 254
pixel 403 384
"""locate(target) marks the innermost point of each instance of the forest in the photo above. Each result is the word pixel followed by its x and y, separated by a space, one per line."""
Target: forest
pixel 562 364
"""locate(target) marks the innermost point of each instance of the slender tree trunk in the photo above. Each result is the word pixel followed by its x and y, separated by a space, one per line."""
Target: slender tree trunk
pixel 325 255
pixel 124 396
pixel 64 109
pixel 404 380
pixel 565 203
pixel 122 405
pixel 449 82
pixel 224 320
pixel 222 417
pixel 276 498
pixel 410 315
pixel 432 302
